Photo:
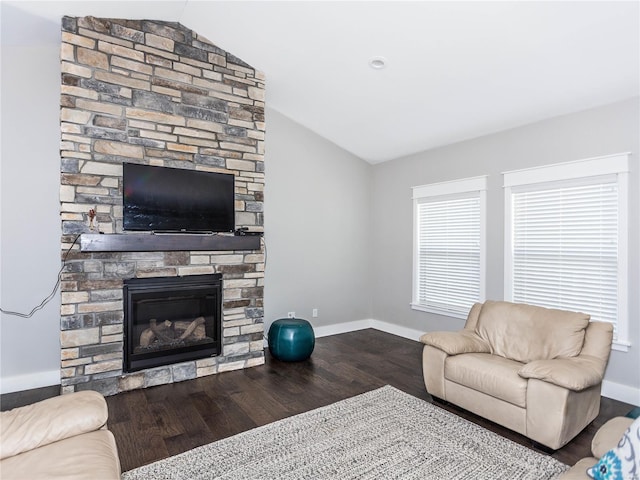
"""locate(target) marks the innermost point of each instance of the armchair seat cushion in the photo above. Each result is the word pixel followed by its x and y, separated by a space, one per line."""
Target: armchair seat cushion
pixel 495 376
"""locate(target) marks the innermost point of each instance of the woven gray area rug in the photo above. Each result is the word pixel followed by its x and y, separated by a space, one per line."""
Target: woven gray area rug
pixel 382 434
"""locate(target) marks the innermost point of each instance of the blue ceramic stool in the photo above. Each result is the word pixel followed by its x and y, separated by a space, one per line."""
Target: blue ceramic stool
pixel 291 339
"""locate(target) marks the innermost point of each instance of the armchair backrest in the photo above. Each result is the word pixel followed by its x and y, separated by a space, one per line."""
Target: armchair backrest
pixel 597 342
pixel 472 317
pixel 526 332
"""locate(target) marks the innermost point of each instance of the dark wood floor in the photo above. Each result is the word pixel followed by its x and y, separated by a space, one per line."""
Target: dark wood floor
pixel 157 422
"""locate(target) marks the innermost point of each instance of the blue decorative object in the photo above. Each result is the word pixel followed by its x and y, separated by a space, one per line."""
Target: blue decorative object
pixel 291 339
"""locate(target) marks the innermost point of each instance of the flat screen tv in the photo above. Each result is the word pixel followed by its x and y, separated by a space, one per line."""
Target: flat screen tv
pixel 164 199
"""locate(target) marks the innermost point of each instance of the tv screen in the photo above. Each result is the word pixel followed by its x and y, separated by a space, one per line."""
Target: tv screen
pixel 167 199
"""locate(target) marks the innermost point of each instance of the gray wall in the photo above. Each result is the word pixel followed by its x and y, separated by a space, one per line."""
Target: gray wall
pixel 317 227
pixel 601 131
pixel 30 214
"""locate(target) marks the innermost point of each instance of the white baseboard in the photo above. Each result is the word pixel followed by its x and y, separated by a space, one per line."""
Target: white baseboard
pixel 403 332
pixel 19 383
pixel 623 393
pixel 338 328
pixel 346 327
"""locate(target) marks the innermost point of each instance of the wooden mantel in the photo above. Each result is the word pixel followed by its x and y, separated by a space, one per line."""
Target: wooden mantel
pixel 132 242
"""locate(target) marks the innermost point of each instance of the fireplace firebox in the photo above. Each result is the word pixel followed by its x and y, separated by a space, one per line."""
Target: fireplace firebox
pixel 170 320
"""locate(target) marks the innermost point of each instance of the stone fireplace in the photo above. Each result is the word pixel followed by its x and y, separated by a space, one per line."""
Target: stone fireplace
pixel 155 93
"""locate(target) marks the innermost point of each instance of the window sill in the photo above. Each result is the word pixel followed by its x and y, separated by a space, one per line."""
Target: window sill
pixel 437 311
pixel 620 346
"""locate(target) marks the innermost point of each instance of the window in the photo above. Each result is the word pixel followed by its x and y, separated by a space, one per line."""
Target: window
pixel 566 239
pixel 449 251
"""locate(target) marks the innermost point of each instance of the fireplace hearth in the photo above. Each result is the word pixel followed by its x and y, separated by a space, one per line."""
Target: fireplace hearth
pixel 171 320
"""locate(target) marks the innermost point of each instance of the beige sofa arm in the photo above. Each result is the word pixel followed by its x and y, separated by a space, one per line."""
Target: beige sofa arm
pixel 606 438
pixel 455 343
pixel 575 373
pixel 609 434
pixel 25 428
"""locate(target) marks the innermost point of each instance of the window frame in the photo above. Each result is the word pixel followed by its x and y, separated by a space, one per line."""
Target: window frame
pixel 442 190
pixel 573 172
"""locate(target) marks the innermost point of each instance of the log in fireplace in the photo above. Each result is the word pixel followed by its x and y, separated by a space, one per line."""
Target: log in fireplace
pixel 171 320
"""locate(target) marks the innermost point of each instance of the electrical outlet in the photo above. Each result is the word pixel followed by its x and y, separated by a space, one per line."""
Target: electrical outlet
pixel 314 313
pixel 291 314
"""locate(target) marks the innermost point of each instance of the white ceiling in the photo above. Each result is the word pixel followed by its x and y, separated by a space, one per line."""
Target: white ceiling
pixel 455 70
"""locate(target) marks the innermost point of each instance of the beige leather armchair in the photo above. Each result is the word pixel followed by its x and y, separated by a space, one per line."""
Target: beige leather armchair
pixel 534 370
pixel 63 437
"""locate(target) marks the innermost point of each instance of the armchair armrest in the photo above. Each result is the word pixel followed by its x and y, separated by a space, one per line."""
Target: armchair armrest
pixel 455 343
pixel 25 428
pixel 574 373
pixel 609 434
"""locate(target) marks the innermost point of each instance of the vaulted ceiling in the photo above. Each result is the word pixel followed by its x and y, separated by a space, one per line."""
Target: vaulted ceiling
pixel 453 70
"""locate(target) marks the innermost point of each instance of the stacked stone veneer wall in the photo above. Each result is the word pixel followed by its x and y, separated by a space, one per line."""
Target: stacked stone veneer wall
pixel 153 93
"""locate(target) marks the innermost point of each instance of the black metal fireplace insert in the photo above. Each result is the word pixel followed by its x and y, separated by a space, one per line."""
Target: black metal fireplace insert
pixel 171 320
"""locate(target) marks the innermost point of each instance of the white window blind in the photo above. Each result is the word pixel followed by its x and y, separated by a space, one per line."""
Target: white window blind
pixel 565 248
pixel 566 239
pixel 448 252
